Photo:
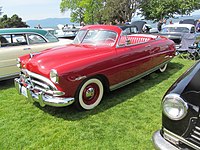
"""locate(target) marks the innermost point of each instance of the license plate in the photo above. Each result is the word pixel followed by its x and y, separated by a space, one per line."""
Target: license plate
pixel 24 91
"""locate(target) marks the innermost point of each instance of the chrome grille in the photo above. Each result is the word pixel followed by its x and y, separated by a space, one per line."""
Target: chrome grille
pixel 195 135
pixel 38 82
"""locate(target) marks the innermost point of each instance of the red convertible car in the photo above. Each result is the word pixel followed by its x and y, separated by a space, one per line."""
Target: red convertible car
pixel 101 58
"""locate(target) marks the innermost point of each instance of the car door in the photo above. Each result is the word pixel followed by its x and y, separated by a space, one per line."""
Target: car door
pixel 12 46
pixel 133 60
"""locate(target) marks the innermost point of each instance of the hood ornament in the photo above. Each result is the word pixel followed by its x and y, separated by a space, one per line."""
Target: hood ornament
pixel 33 54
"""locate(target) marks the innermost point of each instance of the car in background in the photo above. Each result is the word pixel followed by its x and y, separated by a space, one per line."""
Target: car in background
pixel 176 31
pixel 101 58
pixel 15 42
pixel 143 27
pixel 188 21
pixel 180 114
pixel 129 29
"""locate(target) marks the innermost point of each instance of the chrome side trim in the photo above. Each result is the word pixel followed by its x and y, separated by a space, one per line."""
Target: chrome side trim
pixel 168 133
pixel 8 66
pixel 126 82
pixel 9 76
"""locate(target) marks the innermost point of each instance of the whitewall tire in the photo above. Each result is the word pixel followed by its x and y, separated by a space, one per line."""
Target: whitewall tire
pixel 89 94
pixel 163 68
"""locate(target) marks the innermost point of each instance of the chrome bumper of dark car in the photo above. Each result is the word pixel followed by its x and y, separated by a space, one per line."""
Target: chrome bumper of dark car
pixel 160 143
pixel 40 97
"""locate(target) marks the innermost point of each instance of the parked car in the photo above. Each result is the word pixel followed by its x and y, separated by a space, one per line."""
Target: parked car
pixel 129 29
pixel 180 114
pixel 188 21
pixel 15 42
pixel 175 31
pixel 101 58
pixel 142 26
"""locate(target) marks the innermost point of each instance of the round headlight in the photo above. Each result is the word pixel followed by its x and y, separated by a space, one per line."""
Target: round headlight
pixel 19 63
pixel 54 76
pixel 174 107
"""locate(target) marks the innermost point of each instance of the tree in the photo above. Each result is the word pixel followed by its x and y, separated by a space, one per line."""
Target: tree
pixel 83 10
pixel 121 9
pixel 98 11
pixel 158 9
pixel 13 22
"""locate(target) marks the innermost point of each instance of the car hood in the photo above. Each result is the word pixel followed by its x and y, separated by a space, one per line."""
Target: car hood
pixel 56 58
pixel 187 86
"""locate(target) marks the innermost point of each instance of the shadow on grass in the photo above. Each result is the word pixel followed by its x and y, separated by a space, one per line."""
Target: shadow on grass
pixel 6 84
pixel 116 97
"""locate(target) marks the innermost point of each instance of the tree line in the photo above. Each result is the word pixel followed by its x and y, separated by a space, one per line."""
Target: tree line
pixel 101 11
pixel 11 22
pixel 106 11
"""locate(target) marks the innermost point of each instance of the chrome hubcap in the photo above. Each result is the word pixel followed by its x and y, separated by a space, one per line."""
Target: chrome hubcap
pixel 90 93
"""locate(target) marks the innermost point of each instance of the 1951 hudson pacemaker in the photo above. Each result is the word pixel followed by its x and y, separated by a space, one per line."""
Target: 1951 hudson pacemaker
pixel 101 58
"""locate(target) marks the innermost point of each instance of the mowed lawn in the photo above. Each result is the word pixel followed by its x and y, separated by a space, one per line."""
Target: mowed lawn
pixel 125 119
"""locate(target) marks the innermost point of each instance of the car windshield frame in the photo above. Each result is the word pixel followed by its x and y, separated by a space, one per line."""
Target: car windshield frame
pixel 97 37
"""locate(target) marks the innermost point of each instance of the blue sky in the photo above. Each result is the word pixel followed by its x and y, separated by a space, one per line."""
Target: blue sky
pixel 36 9
pixel 33 9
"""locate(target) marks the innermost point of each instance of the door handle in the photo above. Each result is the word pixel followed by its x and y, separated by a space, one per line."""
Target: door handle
pixel 27 48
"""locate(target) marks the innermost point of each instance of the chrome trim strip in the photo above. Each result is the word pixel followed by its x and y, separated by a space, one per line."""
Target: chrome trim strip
pixel 179 138
pixel 196 132
pixel 8 66
pixel 195 136
pixel 41 84
pixel 197 128
pixel 9 76
pixel 126 82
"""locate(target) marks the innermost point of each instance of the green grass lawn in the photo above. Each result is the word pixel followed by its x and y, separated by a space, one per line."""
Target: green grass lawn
pixel 125 119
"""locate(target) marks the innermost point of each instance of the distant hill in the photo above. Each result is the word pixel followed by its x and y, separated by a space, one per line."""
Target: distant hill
pixel 49 22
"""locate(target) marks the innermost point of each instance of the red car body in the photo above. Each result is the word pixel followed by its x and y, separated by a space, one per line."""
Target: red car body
pixel 101 58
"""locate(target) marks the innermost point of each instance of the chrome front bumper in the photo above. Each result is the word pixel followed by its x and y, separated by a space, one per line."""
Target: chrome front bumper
pixel 160 143
pixel 42 98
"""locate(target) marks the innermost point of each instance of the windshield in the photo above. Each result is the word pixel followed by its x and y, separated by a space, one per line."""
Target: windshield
pixel 50 37
pixel 175 29
pixel 96 37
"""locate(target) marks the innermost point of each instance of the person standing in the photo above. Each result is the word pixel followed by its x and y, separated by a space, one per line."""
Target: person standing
pixel 159 25
pixel 198 26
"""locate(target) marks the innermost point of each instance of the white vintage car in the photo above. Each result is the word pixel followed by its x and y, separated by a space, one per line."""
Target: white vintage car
pixel 15 42
pixel 175 31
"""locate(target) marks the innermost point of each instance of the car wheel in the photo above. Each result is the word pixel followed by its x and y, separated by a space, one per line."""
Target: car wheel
pixel 163 68
pixel 89 94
